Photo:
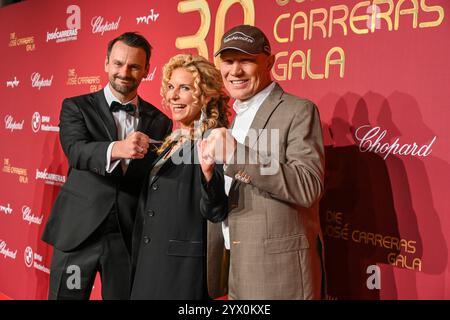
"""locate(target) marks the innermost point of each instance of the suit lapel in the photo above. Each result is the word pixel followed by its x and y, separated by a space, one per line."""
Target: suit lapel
pixel 192 155
pixel 145 117
pixel 265 111
pixel 102 108
pixel 262 117
pixel 151 181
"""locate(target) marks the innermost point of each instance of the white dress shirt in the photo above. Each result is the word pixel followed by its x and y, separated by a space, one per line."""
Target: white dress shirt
pixel 245 113
pixel 125 123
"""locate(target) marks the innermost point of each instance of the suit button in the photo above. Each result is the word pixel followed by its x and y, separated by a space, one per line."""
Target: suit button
pixel 150 213
pixel 146 239
pixel 155 187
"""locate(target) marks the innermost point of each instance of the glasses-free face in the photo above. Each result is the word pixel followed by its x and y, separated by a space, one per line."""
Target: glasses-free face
pixel 245 75
pixel 180 97
pixel 126 66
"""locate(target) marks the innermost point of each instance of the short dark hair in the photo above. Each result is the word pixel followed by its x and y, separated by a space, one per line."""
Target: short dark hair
pixel 132 39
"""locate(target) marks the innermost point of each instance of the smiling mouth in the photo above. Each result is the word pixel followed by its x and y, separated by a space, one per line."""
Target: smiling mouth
pixel 178 107
pixel 238 81
pixel 124 80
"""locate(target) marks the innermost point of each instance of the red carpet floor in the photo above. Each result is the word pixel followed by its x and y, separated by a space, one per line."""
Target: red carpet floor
pixel 4 297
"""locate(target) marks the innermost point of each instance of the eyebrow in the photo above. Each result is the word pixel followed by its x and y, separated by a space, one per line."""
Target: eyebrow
pixel 181 84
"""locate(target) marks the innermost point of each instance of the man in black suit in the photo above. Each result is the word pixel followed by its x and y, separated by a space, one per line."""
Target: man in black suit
pixel 108 137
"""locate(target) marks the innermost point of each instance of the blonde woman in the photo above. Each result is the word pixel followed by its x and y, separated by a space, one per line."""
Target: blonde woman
pixel 181 192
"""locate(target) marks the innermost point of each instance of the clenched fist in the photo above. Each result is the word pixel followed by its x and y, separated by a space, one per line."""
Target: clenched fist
pixel 135 146
pixel 219 145
pixel 206 163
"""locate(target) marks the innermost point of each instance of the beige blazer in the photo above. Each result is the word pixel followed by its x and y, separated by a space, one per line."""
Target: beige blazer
pixel 276 241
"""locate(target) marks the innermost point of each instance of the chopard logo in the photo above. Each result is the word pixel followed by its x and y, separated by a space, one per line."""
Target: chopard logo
pixel 372 141
pixel 29 217
pixel 6 252
pixel 98 26
pixel 12 125
pixel 37 82
pixel 150 76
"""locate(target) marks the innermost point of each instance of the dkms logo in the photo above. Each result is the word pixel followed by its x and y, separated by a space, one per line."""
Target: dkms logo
pixel 36 122
pixel 28 257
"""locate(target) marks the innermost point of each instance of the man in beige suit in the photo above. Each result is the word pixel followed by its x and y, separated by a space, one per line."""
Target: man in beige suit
pixel 274 165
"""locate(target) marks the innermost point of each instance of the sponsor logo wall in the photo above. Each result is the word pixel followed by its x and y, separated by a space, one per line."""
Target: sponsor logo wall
pixel 378 71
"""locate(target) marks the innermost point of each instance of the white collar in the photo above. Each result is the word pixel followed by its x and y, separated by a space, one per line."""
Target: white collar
pixel 255 101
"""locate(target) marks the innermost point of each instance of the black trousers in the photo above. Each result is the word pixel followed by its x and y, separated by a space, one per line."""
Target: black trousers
pixel 72 274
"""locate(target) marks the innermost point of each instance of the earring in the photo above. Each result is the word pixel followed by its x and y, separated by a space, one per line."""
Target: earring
pixel 202 116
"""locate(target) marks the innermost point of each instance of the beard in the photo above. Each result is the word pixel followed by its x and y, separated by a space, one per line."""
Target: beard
pixel 124 89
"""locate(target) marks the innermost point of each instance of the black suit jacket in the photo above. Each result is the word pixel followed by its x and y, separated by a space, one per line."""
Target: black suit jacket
pixel 87 128
pixel 169 239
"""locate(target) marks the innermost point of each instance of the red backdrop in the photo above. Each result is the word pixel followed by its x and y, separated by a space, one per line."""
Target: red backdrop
pixel 378 71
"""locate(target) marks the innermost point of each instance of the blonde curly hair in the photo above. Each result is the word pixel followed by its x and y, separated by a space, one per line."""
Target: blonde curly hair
pixel 208 84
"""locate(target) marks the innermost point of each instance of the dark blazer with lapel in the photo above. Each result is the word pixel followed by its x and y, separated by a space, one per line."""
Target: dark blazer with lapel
pixel 169 239
pixel 275 235
pixel 87 128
